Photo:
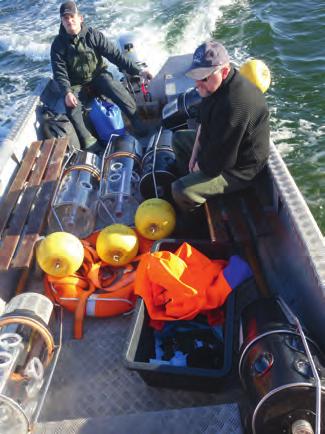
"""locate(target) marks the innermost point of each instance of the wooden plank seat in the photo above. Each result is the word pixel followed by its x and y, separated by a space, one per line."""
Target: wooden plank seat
pixel 237 216
pixel 242 218
pixel 26 204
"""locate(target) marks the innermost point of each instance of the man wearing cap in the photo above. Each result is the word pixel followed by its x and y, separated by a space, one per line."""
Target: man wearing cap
pixel 77 61
pixel 231 145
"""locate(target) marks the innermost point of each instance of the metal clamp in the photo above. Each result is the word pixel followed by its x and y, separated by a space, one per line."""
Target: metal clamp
pixel 318 383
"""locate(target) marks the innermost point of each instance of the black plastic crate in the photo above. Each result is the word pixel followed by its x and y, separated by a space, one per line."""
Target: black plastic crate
pixel 141 345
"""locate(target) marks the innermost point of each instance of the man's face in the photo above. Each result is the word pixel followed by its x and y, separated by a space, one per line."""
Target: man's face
pixel 72 23
pixel 210 84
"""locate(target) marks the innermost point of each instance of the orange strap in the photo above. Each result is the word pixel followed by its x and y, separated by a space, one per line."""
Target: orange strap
pixel 93 277
pixel 80 311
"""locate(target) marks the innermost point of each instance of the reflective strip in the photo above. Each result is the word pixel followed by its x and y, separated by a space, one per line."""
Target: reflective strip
pixel 91 303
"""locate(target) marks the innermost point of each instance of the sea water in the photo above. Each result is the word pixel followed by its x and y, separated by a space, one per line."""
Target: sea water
pixel 288 36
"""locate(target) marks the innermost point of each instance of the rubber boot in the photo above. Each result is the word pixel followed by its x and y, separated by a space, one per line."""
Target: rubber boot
pixel 140 129
pixel 93 146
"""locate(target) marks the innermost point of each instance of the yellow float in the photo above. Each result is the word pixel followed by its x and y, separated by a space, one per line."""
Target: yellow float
pixel 60 254
pixel 155 219
pixel 257 73
pixel 117 245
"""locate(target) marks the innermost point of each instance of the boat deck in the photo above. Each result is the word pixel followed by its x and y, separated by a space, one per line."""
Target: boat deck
pixel 93 391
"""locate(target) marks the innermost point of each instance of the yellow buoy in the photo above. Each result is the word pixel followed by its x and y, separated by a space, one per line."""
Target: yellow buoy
pixel 117 244
pixel 60 254
pixel 155 219
pixel 257 73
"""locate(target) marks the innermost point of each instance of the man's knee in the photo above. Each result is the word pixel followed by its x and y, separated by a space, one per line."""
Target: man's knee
pixel 183 196
pixel 177 190
pixel 114 90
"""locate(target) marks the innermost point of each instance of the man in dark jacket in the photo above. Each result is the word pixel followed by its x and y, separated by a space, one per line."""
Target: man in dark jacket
pixel 77 61
pixel 231 145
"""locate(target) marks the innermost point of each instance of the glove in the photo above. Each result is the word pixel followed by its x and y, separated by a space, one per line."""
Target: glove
pixel 236 271
pixel 146 75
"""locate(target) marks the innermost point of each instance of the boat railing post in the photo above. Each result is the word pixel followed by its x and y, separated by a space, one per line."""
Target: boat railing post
pixel 318 385
pixel 154 160
pixel 316 377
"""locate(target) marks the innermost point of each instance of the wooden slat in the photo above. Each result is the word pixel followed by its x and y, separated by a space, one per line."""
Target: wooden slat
pixel 229 209
pixel 235 218
pixel 22 210
pixel 217 230
pixel 258 219
pixel 18 183
pixel 37 217
pixel 54 167
pixel 240 230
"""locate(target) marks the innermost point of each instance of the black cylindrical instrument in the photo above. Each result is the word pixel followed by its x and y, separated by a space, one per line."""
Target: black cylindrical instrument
pixel 158 166
pixel 185 106
pixel 276 372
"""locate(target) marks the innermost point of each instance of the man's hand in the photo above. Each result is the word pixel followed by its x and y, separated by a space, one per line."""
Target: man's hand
pixel 70 100
pixel 196 167
pixel 146 75
pixel 192 163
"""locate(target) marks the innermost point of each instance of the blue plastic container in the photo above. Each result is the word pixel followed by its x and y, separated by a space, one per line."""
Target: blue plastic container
pixel 106 119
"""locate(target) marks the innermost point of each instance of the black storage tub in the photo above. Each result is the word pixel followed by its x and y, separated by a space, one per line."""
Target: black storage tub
pixel 141 346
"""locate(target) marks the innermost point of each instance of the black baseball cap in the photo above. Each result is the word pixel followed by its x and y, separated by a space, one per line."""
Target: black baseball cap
pixel 206 59
pixel 68 8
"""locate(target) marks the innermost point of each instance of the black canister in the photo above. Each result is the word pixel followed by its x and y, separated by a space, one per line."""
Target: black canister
pixel 185 106
pixel 158 166
pixel 275 370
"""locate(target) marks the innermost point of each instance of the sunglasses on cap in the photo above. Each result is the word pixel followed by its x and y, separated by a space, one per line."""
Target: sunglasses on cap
pixel 204 80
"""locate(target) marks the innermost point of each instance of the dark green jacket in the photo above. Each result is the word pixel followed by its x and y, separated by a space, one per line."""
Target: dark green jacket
pixel 235 130
pixel 77 59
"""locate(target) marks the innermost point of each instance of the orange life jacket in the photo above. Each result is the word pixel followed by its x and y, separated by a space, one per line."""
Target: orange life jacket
pixel 180 285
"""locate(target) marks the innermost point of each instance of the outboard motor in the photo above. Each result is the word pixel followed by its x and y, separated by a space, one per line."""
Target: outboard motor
pixel 135 85
pixel 158 169
pixel 27 360
pixel 127 44
pixel 277 368
pixel 176 113
pixel 74 204
pixel 119 194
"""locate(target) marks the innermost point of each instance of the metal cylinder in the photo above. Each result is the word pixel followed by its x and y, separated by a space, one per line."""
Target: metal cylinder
pixel 158 169
pixel 119 194
pixel 185 106
pixel 275 370
pixel 301 427
pixel 75 202
pixel 26 355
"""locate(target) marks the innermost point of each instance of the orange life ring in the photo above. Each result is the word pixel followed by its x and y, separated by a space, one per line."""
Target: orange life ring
pixel 95 290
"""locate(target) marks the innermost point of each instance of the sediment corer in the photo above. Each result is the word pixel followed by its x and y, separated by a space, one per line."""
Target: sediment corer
pixel 27 351
pixel 176 113
pixel 119 194
pixel 278 372
pixel 158 169
pixel 74 205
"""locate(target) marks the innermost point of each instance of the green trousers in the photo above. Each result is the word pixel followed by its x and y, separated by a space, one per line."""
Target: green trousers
pixel 193 189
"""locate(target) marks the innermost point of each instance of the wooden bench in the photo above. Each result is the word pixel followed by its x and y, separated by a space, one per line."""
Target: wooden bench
pixel 26 204
pixel 240 218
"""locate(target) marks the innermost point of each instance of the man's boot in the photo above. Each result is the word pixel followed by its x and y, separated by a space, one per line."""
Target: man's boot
pixel 140 129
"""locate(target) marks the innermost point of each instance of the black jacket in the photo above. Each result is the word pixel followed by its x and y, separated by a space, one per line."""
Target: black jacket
pixel 77 59
pixel 235 131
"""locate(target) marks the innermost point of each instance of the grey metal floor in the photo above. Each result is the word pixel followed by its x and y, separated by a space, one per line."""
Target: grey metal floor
pixel 93 391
